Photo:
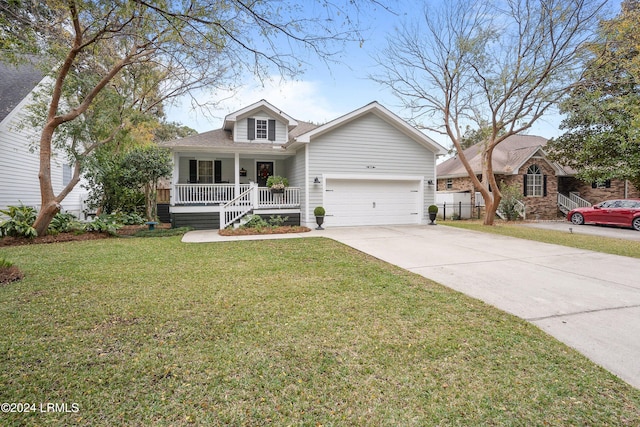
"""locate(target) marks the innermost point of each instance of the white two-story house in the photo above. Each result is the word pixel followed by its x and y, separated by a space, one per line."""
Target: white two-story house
pixel 19 156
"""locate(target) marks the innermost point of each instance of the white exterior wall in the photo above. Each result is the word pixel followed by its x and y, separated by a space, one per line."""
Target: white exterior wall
pixel 240 130
pixel 19 168
pixel 228 166
pixel 368 146
pixel 295 174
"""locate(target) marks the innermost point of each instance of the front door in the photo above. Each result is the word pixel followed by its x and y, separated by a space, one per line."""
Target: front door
pixel 263 171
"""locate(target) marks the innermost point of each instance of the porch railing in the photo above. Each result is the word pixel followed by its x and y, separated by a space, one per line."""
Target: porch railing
pixel 206 194
pixel 290 198
pixel 220 194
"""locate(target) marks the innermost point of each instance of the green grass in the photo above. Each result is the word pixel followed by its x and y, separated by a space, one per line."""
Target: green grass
pixel 277 332
pixel 607 245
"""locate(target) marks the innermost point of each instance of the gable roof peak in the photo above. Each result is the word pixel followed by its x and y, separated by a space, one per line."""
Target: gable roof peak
pixel 382 112
pixel 232 118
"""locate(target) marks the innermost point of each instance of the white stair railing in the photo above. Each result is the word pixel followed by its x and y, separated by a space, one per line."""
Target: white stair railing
pixel 567 203
pixel 236 208
pixel 580 202
pixel 521 209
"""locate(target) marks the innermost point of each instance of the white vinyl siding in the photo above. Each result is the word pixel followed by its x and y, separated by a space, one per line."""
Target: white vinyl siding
pixel 19 168
pixel 369 146
pixel 240 130
pixel 294 171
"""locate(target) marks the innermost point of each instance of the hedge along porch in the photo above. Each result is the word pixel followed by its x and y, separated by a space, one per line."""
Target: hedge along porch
pixel 368 166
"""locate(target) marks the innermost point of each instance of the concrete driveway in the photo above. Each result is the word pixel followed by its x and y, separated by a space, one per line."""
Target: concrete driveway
pixel 588 300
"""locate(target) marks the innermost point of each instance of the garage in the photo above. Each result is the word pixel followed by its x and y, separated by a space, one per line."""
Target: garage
pixel 351 202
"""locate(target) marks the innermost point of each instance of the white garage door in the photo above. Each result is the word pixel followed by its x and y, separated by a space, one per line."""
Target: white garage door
pixel 371 202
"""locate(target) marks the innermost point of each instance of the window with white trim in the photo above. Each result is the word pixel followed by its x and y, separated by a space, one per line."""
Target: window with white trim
pixel 261 129
pixel 67 173
pixel 535 181
pixel 449 184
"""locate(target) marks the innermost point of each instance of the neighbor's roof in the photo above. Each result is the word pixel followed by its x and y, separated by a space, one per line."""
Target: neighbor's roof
pixel 16 82
pixel 508 157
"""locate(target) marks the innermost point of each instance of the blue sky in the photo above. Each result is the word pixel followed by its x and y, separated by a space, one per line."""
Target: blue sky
pixel 324 93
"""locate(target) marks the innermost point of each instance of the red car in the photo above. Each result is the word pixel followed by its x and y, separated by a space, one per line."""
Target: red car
pixel 624 213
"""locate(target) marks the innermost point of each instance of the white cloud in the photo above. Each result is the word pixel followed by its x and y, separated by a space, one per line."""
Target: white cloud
pixel 302 100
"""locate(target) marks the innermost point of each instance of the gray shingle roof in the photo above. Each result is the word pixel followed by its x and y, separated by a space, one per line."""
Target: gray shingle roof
pixel 508 156
pixel 15 85
pixel 222 139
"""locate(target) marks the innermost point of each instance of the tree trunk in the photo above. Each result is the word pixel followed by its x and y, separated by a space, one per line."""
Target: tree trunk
pixel 492 198
pixel 490 210
pixel 49 206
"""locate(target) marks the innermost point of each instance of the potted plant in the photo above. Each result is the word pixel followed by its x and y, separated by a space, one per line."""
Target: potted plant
pixel 319 213
pixel 277 183
pixel 433 211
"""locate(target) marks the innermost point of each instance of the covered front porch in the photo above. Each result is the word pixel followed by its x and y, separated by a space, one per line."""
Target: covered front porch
pixel 215 190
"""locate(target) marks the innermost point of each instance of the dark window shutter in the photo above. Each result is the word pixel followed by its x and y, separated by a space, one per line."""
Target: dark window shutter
pixel 272 130
pixel 524 185
pixel 251 129
pixel 544 186
pixel 193 171
pixel 217 171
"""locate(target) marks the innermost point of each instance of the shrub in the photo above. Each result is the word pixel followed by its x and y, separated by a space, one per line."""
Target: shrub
pixel 20 222
pixel 277 221
pixel 255 221
pixel 64 223
pixel 127 218
pixel 103 224
pixel 319 211
pixel 433 209
pixel 511 196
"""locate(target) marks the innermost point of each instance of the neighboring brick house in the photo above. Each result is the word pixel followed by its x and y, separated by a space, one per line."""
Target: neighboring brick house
pixel 549 189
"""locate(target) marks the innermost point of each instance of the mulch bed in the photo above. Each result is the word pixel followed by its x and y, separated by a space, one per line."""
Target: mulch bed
pixel 10 274
pixel 127 230
pixel 266 230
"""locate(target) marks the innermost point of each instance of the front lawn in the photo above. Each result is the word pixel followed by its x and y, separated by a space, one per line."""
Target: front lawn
pixel 609 245
pixel 278 332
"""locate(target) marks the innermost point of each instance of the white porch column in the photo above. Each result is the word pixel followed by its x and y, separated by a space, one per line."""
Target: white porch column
pixel 175 178
pixel 236 174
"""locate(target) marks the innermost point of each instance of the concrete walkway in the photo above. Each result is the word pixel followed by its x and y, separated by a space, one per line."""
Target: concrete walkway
pixel 588 300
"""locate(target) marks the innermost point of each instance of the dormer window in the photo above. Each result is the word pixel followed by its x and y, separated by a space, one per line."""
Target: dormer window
pixel 261 129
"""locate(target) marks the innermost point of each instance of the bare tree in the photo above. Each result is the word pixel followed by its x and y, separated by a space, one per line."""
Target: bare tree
pixel 197 44
pixel 483 62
